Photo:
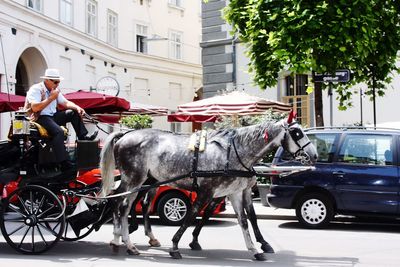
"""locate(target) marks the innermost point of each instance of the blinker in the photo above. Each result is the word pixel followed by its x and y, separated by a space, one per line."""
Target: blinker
pixel 296 134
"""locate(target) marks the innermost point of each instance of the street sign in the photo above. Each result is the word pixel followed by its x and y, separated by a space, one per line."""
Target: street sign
pixel 341 76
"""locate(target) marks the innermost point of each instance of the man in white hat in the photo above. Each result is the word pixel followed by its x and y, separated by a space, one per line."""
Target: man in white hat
pixel 42 99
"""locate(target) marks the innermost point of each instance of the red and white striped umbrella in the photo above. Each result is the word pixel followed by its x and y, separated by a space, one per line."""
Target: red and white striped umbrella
pixel 234 103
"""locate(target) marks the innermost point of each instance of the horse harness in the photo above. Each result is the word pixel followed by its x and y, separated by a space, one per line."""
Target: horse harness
pixel 195 173
pixel 296 135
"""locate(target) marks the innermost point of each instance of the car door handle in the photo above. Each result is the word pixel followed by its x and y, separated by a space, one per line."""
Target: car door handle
pixel 339 174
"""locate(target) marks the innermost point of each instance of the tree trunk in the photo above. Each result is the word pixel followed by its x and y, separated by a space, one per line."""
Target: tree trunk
pixel 319 115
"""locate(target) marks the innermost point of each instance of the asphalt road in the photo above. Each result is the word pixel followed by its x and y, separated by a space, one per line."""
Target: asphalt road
pixel 342 244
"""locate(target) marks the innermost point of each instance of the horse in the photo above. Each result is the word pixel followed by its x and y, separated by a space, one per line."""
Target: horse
pixel 224 168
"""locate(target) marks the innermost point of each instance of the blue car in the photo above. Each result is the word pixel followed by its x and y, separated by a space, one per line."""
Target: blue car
pixel 357 174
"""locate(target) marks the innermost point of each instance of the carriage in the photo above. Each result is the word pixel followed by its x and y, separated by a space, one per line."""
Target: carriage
pixel 39 203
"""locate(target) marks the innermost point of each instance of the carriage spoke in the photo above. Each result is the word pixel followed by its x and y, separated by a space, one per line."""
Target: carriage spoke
pixel 41 235
pixel 40 205
pixel 48 229
pixel 23 205
pixel 16 230
pixel 44 212
pixel 33 238
pixel 23 237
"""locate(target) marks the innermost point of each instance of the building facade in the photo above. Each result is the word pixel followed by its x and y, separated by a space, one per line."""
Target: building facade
pixel 150 47
pixel 225 68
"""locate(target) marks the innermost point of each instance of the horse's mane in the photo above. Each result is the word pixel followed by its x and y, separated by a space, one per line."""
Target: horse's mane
pixel 243 134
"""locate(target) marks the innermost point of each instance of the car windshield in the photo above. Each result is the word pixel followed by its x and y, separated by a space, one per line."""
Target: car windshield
pixel 325 144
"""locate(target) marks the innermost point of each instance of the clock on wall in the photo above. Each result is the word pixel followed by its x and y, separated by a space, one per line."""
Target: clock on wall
pixel 108 85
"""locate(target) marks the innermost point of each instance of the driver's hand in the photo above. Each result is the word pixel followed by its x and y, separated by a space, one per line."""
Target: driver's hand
pixel 54 94
pixel 80 111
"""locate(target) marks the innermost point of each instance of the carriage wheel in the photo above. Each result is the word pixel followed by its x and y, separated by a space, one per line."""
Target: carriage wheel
pixel 70 235
pixel 32 219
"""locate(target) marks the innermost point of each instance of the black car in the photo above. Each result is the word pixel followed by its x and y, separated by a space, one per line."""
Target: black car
pixel 357 173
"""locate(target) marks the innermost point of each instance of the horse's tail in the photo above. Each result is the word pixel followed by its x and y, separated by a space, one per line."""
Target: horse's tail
pixel 107 162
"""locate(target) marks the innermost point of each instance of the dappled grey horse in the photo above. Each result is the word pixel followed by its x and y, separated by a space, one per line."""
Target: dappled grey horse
pixel 228 157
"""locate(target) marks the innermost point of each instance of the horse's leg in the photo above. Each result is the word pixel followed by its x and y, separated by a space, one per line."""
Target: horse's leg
pixel 146 205
pixel 124 212
pixel 248 205
pixel 207 214
pixel 237 204
pixel 200 201
pixel 117 202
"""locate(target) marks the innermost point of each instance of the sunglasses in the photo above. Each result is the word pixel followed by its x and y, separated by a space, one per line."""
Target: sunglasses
pixel 55 81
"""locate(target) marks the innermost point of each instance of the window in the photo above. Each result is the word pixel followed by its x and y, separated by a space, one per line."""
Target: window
pixel 66 12
pixel 296 95
pixel 35 5
pixel 175 45
pixel 177 3
pixel 91 17
pixel 367 149
pixel 112 28
pixel 141 35
pixel 325 145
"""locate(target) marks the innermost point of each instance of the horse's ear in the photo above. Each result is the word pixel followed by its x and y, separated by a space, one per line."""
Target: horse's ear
pixel 292 116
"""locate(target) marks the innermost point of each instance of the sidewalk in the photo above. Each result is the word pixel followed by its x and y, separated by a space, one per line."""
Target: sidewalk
pixel 263 212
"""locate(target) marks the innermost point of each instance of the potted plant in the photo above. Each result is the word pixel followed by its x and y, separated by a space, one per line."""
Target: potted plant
pixel 137 121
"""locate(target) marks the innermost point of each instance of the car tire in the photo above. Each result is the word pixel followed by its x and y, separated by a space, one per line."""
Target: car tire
pixel 173 208
pixel 314 210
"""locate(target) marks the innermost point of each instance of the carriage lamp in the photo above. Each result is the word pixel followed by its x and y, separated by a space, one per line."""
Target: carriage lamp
pixel 20 123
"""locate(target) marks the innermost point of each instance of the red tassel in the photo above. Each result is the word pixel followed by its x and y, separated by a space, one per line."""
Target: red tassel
pixel 266 136
pixel 292 116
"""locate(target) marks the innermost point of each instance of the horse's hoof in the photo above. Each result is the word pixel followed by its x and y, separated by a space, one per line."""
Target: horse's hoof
pixel 267 248
pixel 114 247
pixel 154 243
pixel 195 246
pixel 133 252
pixel 260 257
pixel 175 254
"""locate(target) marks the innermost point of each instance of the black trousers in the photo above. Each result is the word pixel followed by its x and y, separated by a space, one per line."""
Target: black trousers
pixel 52 125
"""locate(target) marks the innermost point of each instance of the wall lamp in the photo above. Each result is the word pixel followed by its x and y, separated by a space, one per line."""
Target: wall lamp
pixel 14 31
pixel 66 49
pixel 105 63
pixel 91 57
pixel 125 70
pixel 112 65
pixel 83 51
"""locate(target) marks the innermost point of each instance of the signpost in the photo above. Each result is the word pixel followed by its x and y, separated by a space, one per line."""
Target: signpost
pixel 340 76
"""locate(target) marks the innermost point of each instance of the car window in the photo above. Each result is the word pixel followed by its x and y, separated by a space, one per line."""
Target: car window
pixel 367 149
pixel 325 144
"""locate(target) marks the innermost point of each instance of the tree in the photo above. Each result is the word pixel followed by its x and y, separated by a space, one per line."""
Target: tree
pixel 305 36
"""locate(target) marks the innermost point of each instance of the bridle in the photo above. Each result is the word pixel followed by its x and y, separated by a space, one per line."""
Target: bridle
pixel 296 134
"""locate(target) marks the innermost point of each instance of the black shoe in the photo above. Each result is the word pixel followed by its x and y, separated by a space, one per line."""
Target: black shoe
pixel 90 137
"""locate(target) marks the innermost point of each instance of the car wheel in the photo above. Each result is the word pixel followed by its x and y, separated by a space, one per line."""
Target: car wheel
pixel 314 210
pixel 173 208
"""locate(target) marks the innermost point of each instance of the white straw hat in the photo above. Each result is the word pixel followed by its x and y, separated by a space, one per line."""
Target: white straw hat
pixel 52 74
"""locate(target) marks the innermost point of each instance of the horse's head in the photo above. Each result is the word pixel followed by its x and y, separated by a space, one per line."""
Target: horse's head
pixel 296 142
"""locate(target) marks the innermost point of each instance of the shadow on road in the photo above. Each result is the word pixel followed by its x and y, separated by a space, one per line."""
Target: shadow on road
pixel 84 252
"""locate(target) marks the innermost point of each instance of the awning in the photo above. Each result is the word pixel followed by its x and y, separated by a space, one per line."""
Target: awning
pixel 10 102
pixel 135 108
pixel 233 103
pixel 93 102
pixel 191 118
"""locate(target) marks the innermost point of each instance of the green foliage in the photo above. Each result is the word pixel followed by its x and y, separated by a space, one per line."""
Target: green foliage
pixel 137 121
pixel 303 36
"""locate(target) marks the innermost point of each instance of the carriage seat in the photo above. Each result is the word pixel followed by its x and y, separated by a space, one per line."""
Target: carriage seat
pixel 42 131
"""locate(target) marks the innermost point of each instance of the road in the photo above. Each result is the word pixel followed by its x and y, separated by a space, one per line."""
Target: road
pixel 342 244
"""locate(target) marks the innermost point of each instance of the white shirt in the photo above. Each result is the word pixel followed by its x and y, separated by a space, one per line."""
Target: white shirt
pixel 34 95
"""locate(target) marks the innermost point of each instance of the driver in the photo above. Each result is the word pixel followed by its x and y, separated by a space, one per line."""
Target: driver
pixel 41 103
